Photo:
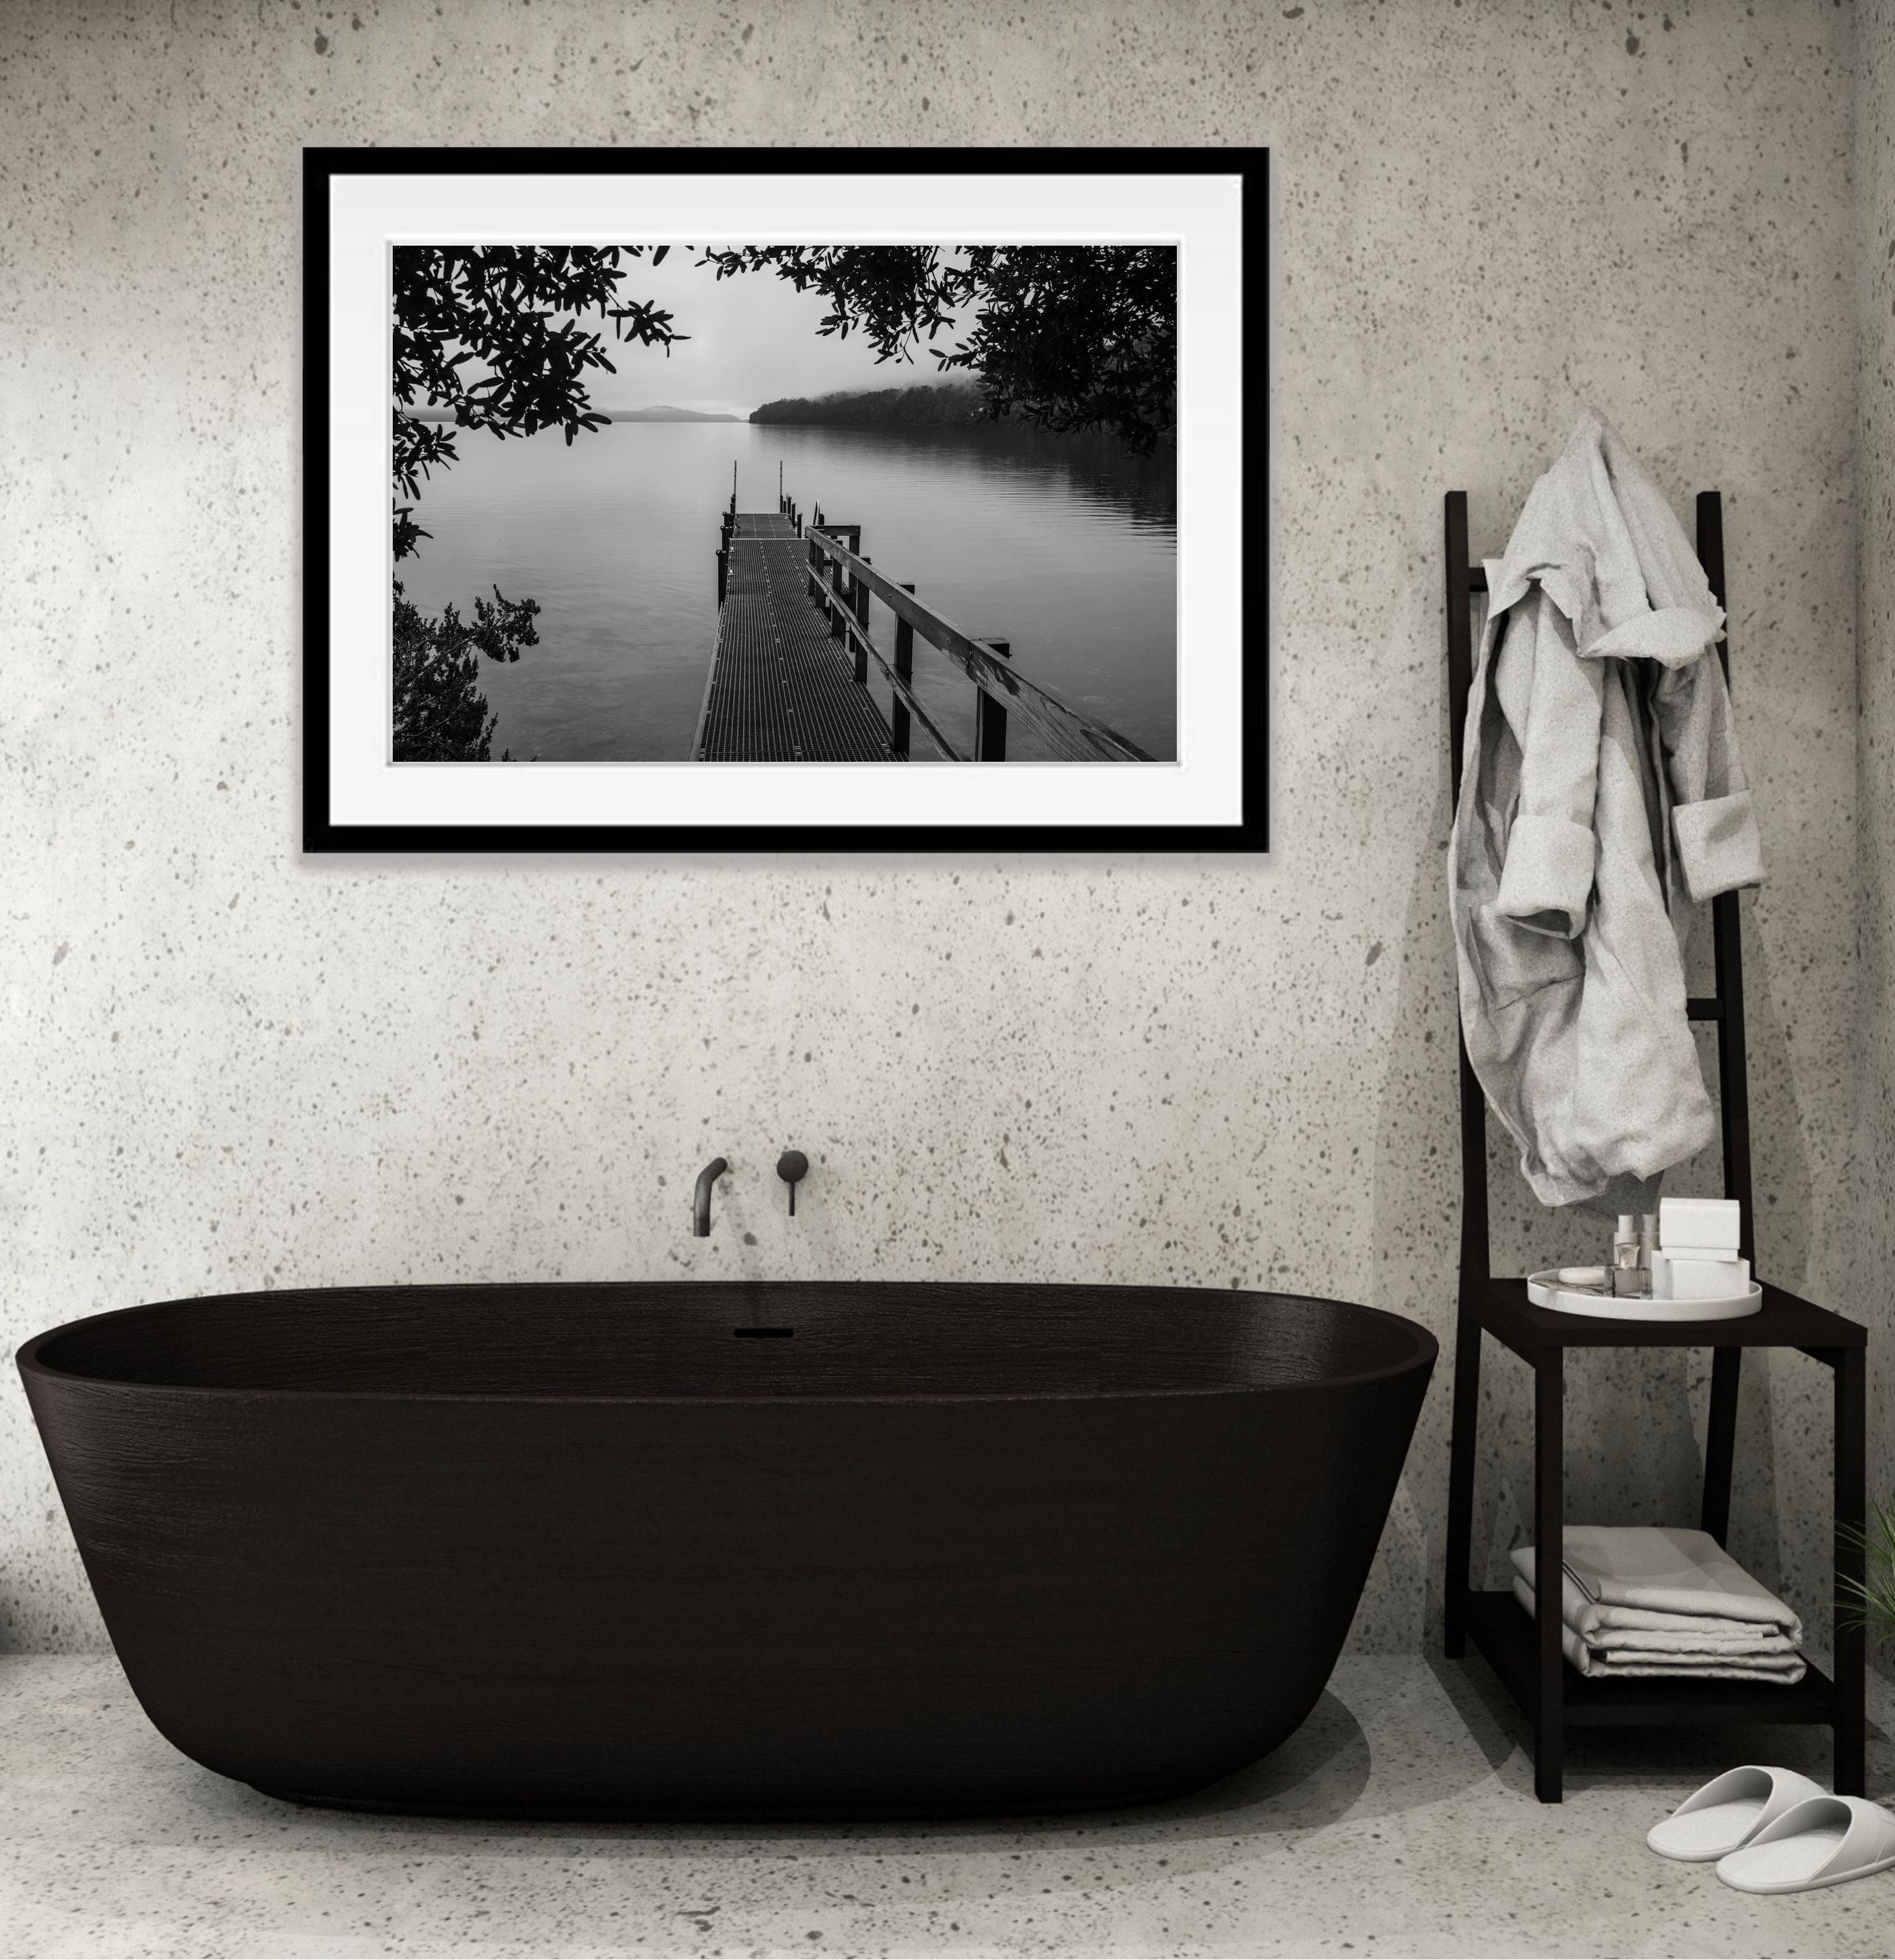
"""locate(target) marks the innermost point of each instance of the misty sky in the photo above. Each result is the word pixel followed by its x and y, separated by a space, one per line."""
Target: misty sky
pixel 754 340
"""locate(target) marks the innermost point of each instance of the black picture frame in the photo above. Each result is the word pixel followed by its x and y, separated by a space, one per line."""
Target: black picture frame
pixel 322 834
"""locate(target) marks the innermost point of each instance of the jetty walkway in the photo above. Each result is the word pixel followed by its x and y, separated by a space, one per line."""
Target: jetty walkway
pixel 779 692
pixel 789 678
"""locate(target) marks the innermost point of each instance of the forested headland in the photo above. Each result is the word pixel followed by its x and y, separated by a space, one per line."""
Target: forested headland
pixel 926 404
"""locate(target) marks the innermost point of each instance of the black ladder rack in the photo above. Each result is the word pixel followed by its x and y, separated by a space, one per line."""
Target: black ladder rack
pixel 1526 1654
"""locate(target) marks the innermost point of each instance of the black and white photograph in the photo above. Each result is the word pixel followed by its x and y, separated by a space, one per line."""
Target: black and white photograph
pixel 698 493
pixel 990 431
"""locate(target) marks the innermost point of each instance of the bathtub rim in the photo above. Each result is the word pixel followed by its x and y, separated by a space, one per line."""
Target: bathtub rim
pixel 1425 1351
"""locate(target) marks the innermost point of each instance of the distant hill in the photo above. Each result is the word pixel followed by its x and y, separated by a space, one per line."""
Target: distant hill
pixel 927 402
pixel 658 414
pixel 665 414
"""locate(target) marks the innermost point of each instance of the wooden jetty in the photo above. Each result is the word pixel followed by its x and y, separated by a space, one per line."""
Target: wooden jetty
pixel 789 678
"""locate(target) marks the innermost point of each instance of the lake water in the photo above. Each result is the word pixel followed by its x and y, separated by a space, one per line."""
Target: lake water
pixel 1067 546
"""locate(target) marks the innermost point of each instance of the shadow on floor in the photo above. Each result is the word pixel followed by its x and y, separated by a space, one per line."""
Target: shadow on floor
pixel 1610 1759
pixel 1313 1779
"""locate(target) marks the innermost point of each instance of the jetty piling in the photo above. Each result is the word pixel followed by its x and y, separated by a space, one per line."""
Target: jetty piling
pixel 990 716
pixel 905 674
pixel 861 639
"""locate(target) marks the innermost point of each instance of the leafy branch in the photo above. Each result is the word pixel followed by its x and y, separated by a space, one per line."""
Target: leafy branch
pixel 441 714
pixel 1067 337
pixel 511 314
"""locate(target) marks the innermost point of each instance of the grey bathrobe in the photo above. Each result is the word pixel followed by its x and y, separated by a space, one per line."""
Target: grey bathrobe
pixel 1601 796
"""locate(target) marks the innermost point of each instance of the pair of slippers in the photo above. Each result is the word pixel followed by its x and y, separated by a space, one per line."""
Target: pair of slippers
pixel 1772 1830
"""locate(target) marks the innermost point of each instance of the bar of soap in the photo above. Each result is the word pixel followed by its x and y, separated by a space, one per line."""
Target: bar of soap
pixel 1674 1278
pixel 1699 1222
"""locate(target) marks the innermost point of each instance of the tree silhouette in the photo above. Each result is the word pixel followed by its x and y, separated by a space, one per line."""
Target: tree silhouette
pixel 441 714
pixel 511 311
pixel 1066 337
pixel 511 315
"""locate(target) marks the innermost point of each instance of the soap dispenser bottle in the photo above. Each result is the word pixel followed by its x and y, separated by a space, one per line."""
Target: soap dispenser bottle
pixel 1630 1281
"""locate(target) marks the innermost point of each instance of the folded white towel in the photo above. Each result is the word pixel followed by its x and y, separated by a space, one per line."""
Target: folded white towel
pixel 1784 1669
pixel 1600 1626
pixel 1638 1639
pixel 1620 1569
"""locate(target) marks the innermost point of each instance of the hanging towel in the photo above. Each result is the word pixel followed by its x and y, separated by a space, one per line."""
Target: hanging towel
pixel 1602 796
pixel 1656 1570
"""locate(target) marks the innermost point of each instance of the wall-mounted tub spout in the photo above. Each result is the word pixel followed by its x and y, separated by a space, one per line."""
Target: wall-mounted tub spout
pixel 701 1202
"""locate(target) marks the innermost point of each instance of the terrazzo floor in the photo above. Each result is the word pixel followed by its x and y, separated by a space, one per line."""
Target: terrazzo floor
pixel 1400 1819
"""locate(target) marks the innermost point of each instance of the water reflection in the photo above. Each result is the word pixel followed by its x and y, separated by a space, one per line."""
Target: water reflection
pixel 1142 490
pixel 1065 545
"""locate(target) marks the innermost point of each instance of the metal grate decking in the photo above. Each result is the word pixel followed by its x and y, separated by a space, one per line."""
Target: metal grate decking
pixel 781 689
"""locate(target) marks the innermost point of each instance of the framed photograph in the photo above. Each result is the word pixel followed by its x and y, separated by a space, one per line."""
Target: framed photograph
pixel 768 500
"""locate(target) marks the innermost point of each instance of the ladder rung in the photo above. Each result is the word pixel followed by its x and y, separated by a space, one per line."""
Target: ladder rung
pixel 1704 1007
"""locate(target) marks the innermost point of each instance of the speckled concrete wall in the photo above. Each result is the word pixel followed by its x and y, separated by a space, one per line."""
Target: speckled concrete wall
pixel 230 1068
pixel 1873 1237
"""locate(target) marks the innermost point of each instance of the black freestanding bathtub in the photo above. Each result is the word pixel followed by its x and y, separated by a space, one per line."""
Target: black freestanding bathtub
pixel 693 1550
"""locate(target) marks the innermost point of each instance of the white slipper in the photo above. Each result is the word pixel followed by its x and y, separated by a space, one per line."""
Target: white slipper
pixel 1822 1841
pixel 1728 1812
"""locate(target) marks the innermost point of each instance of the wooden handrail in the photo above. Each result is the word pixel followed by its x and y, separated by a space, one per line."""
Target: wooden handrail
pixel 857 634
pixel 1072 736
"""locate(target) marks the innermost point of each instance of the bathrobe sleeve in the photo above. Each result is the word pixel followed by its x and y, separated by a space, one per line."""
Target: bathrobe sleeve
pixel 1713 823
pixel 1552 700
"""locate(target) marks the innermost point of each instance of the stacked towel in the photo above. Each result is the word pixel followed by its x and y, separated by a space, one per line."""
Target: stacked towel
pixel 1649 1599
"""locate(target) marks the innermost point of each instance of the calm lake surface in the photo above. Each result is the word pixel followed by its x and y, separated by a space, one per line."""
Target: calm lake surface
pixel 1065 546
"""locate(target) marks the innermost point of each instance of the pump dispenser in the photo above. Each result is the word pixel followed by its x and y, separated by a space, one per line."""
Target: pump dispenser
pixel 1630 1281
